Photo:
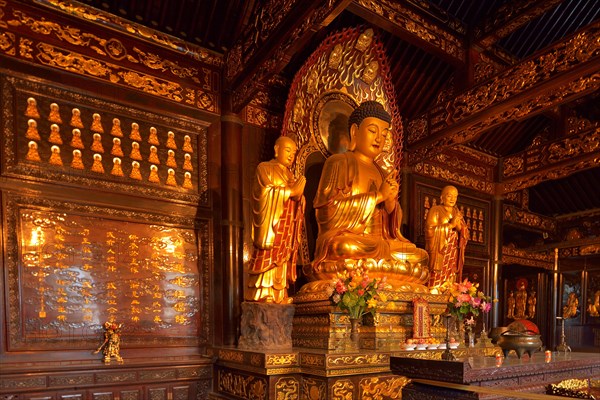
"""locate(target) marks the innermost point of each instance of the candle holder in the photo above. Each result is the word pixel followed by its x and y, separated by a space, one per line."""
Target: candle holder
pixel 447 354
pixel 563 346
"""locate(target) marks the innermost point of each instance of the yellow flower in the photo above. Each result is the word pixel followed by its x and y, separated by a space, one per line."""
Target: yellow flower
pixel 383 297
pixel 371 303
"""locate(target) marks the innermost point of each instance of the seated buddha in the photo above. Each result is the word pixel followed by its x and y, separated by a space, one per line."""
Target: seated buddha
pixel 358 213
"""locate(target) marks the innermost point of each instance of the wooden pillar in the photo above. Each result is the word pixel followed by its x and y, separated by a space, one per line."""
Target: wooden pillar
pixel 554 312
pixel 496 273
pixel 232 225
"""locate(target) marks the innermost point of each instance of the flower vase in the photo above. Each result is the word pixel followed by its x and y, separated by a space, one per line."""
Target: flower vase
pixel 354 330
pixel 471 339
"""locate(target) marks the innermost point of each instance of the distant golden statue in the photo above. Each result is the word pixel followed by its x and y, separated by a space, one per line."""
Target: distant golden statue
pixel 446 236
pixel 112 343
pixel 358 214
pixel 572 307
pixel 594 306
pixel 521 299
pixel 278 213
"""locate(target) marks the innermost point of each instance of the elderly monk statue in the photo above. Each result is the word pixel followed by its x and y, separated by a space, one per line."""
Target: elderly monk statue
pixel 278 212
pixel 446 236
pixel 358 214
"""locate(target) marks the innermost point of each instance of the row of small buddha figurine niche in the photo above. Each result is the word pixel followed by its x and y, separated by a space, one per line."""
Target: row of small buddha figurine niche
pixel 96 146
pixel 472 217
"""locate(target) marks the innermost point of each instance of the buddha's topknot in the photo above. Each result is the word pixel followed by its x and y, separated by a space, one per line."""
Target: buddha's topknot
pixel 368 109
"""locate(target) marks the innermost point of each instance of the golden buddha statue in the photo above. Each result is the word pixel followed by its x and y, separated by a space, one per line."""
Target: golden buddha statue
pixel 278 213
pixel 358 214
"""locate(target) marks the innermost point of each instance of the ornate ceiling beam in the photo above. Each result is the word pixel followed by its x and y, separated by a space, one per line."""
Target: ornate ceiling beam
pixel 564 72
pixel 522 218
pixel 508 18
pixel 512 255
pixel 415 27
pixel 551 160
pixel 278 30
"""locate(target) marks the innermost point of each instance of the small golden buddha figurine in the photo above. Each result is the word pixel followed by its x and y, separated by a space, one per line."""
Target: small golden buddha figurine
pixel 32 152
pixel 153 157
pixel 77 162
pixel 76 141
pixel 116 149
pixel 571 309
pixel 97 143
pixel 116 128
pixel 278 213
pixel 54 115
pixel 446 236
pixel 97 123
pixel 54 137
pixel 32 131
pixel 171 159
pixel 358 213
pixel 135 152
pixel 153 174
pixel 187 144
pixel 112 342
pixel 171 181
pixel 153 137
pixel 31 111
pixel 171 141
pixel 187 162
pixel 135 171
pixel 117 170
pixel 55 156
pixel 76 118
pixel 97 165
pixel 187 180
pixel 135 132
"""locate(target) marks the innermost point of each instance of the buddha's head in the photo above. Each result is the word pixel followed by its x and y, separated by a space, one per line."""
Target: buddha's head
pixel 449 196
pixel 369 127
pixel 285 151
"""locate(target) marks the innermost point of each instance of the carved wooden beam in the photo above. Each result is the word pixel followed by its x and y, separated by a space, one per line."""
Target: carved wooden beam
pixel 512 255
pixel 416 27
pixel 552 160
pixel 265 48
pixel 508 18
pixel 531 221
pixel 564 72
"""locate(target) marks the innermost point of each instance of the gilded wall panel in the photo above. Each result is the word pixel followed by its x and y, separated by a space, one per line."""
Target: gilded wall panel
pixel 56 135
pixel 72 267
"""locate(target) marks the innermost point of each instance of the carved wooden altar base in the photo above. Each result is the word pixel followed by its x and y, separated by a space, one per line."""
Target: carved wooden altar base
pixel 304 374
pixel 320 324
pixel 478 377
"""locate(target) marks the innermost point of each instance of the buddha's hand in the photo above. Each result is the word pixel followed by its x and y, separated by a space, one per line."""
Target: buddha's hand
pixel 388 192
pixel 298 187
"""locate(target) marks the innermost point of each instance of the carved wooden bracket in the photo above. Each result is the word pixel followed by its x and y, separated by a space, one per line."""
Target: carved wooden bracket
pixel 529 220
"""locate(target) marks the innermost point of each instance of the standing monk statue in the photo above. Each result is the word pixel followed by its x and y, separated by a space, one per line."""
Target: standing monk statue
pixel 446 236
pixel 278 213
pixel 358 214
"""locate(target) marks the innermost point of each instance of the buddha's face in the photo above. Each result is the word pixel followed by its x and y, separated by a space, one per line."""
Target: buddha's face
pixel 449 197
pixel 285 151
pixel 370 136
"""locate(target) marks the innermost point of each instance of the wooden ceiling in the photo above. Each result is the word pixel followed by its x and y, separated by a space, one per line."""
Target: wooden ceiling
pixel 419 74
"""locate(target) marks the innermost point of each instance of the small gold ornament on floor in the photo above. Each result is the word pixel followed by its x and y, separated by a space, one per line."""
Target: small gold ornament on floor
pixel 135 132
pixel 154 174
pixel 116 128
pixel 171 141
pixel 97 165
pixel 171 159
pixel 32 153
pixel 153 138
pixel 55 156
pixel 135 171
pixel 187 144
pixel 153 157
pixel 32 111
pixel 77 162
pixel 187 163
pixel 187 181
pixel 76 140
pixel 76 118
pixel 54 115
pixel 116 149
pixel 97 123
pixel 112 342
pixel 97 143
pixel 135 152
pixel 32 131
pixel 55 135
pixel 171 181
pixel 117 170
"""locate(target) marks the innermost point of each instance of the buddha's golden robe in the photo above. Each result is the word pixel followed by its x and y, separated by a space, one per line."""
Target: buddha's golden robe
pixel 353 227
pixel 277 220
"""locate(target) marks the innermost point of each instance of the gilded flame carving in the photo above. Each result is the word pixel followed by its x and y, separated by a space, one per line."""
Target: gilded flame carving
pixel 287 388
pixel 342 389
